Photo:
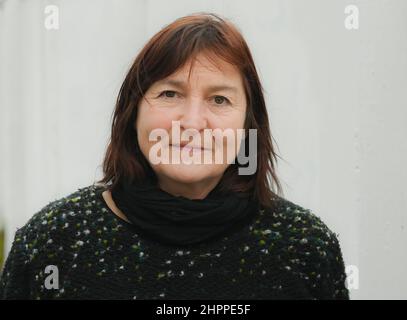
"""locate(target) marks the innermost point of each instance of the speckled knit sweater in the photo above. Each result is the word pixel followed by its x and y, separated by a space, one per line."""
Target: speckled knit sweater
pixel 286 252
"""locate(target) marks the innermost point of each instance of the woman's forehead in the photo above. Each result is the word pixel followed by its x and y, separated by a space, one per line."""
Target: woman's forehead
pixel 207 64
pixel 222 75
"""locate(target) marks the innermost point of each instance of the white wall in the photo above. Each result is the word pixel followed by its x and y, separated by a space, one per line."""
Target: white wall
pixel 336 99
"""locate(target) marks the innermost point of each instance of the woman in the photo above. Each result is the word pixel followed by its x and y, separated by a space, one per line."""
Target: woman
pixel 159 229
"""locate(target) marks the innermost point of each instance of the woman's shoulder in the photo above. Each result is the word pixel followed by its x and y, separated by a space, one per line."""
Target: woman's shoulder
pixel 52 236
pixel 61 222
pixel 295 223
pixel 306 245
pixel 60 212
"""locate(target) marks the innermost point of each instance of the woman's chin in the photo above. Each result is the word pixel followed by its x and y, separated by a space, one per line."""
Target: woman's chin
pixel 189 173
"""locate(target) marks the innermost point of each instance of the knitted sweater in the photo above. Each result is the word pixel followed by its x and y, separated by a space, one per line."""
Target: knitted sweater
pixel 286 252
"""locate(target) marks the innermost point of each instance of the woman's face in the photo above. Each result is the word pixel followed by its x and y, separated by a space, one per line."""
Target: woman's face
pixel 211 98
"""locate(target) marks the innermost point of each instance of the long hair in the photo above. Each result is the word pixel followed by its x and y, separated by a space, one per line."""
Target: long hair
pixel 166 52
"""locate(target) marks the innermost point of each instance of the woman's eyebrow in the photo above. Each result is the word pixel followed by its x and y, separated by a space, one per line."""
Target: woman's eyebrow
pixel 211 88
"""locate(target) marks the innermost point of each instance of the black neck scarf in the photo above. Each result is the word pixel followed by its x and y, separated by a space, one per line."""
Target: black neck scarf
pixel 176 220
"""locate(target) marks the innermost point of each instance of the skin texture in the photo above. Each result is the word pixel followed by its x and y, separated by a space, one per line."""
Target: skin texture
pixel 107 196
pixel 197 107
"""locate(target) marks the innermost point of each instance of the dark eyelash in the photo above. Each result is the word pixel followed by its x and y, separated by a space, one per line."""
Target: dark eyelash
pixel 226 99
pixel 163 92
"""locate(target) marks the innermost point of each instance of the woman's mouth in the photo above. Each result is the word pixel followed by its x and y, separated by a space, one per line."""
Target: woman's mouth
pixel 189 148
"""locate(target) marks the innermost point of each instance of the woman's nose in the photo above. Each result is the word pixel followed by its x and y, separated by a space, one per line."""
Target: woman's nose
pixel 194 115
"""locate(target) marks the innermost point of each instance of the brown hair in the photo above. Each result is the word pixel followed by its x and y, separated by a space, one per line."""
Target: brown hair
pixel 165 53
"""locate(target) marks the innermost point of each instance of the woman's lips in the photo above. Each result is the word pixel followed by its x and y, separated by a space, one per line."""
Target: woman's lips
pixel 189 147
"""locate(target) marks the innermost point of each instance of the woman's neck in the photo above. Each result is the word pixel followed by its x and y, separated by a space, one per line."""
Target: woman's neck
pixel 193 190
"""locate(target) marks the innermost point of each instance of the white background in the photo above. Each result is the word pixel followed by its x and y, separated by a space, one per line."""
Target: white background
pixel 336 99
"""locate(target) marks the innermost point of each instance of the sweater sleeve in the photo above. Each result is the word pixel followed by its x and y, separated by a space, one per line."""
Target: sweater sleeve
pixel 319 253
pixel 13 279
pixel 331 284
pixel 337 282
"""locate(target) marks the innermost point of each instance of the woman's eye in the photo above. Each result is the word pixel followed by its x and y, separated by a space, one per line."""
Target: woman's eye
pixel 220 99
pixel 167 94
